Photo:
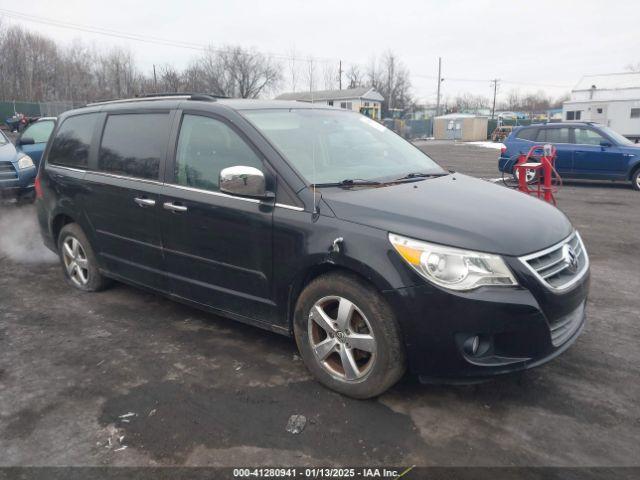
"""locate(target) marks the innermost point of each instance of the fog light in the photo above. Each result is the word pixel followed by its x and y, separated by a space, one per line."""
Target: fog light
pixel 471 345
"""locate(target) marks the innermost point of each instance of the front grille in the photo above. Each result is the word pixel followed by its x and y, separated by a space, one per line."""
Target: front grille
pixel 553 266
pixel 7 171
pixel 564 328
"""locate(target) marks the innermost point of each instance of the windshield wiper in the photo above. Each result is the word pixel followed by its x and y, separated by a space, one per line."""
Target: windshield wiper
pixel 419 176
pixel 348 182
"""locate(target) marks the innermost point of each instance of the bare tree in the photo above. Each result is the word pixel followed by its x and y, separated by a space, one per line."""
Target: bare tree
pixel 633 67
pixel 557 103
pixel 391 78
pixel 530 102
pixel 32 67
pixel 170 79
pixel 250 72
pixel 194 78
pixel 329 76
pixel 470 102
pixel 310 74
pixel 355 78
pixel 292 67
pixel 513 100
pixel 236 72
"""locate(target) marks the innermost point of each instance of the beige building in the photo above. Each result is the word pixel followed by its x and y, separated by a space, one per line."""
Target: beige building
pixel 460 126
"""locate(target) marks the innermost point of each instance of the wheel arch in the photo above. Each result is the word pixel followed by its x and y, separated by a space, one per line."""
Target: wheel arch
pixel 58 221
pixel 311 272
pixel 634 168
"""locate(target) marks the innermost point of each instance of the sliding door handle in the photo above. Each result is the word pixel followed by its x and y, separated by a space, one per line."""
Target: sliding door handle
pixel 173 207
pixel 144 202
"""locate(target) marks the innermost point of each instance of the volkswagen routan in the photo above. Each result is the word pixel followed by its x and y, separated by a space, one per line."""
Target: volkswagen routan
pixel 317 223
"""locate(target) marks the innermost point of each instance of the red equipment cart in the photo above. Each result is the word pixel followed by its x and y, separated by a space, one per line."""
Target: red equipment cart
pixel 539 177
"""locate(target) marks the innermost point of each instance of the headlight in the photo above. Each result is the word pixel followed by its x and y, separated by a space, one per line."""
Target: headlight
pixel 453 268
pixel 25 162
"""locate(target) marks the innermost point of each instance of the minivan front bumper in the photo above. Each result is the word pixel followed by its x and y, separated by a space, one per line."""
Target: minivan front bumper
pixel 516 328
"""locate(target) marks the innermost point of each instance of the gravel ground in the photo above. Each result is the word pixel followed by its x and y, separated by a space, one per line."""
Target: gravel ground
pixel 84 375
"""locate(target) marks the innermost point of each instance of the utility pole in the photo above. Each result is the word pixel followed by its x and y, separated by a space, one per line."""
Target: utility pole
pixel 340 75
pixel 155 79
pixel 495 82
pixel 439 82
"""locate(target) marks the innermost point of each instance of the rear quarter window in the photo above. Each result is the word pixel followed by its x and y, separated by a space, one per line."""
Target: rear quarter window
pixel 554 135
pixel 70 146
pixel 134 144
pixel 527 134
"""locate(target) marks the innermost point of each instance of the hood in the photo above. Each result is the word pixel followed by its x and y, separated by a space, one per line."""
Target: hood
pixel 455 210
pixel 8 153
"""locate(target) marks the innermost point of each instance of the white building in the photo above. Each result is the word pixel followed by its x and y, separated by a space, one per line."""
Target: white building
pixel 365 99
pixel 612 100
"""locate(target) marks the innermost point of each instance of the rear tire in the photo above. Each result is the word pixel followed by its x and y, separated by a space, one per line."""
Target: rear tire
pixel 78 260
pixel 348 336
pixel 635 179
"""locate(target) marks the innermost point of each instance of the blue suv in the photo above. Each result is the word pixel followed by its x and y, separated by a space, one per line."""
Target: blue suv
pixel 584 150
pixel 19 163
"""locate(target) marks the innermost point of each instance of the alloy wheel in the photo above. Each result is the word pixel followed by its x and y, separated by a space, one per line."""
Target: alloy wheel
pixel 75 261
pixel 341 338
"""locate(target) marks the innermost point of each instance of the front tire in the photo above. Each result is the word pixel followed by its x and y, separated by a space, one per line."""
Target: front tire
pixel 348 336
pixel 635 179
pixel 78 260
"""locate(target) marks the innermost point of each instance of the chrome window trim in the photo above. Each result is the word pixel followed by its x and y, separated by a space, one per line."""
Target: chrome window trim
pixel 125 177
pixel 226 195
pixel 210 192
pixel 63 167
pixel 524 260
pixel 290 207
pixel 180 187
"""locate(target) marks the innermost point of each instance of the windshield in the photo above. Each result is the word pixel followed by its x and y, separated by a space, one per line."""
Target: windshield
pixel 328 146
pixel 3 139
pixel 39 131
pixel 619 139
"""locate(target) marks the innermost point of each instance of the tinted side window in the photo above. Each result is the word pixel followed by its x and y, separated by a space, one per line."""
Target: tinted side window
pixel 39 131
pixel 585 136
pixel 134 144
pixel 553 135
pixel 70 146
pixel 527 134
pixel 206 146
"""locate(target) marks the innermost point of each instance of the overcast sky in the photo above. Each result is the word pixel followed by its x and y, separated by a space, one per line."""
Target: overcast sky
pixel 530 45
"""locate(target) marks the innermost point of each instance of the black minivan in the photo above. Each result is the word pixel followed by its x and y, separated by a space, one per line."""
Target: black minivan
pixel 318 223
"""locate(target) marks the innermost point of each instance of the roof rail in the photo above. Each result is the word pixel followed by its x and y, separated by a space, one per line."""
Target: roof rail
pixel 160 96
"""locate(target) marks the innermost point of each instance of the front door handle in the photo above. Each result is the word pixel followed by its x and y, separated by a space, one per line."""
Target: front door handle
pixel 144 202
pixel 173 207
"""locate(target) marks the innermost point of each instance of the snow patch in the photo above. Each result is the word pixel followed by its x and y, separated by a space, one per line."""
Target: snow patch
pixel 494 145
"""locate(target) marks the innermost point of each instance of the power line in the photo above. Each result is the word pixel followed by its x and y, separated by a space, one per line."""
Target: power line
pixel 484 80
pixel 137 37
pixel 201 47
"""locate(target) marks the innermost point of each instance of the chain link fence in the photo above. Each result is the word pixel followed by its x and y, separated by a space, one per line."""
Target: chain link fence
pixel 35 109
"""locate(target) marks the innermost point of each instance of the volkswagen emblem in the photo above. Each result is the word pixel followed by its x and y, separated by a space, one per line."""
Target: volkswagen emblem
pixel 570 258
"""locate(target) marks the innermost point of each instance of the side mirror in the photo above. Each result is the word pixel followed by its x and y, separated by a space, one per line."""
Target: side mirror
pixel 243 181
pixel 26 141
pixel 605 144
